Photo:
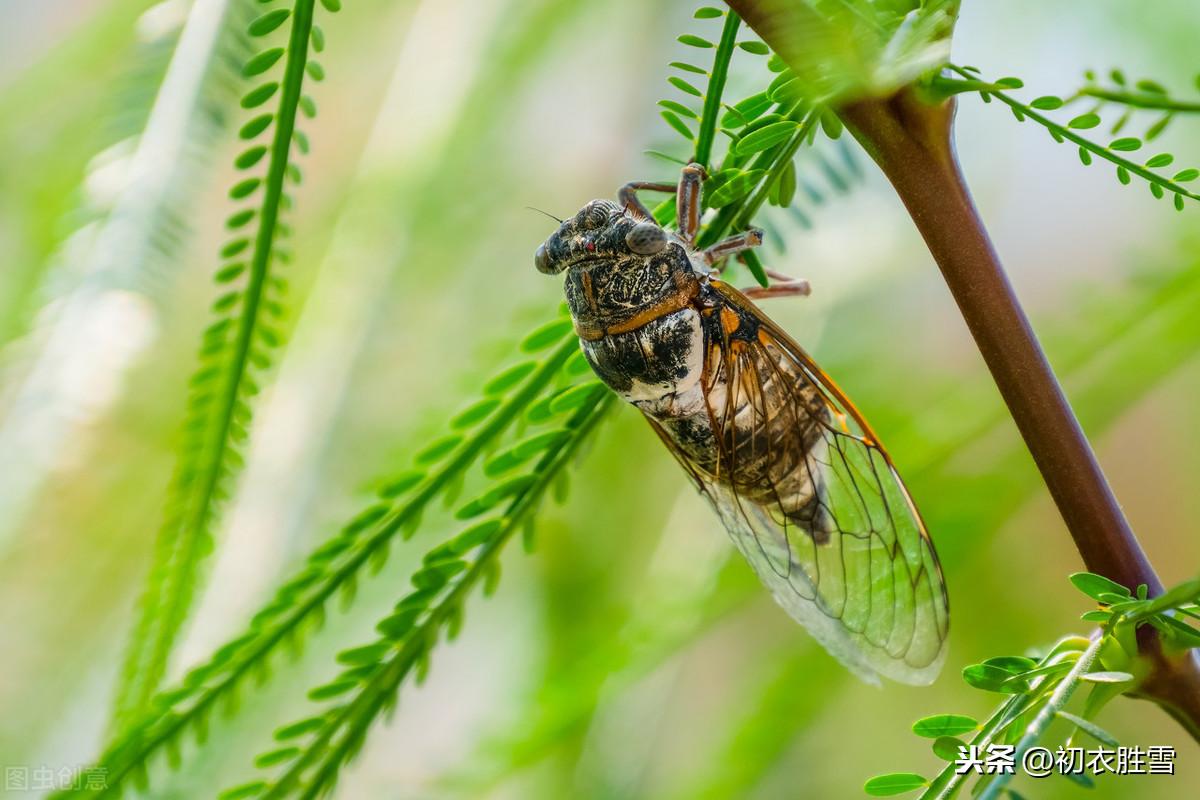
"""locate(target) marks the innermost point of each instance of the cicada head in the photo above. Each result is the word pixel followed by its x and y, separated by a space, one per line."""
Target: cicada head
pixel 602 230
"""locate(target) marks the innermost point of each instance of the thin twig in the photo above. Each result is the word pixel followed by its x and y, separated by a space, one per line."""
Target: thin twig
pixel 1147 100
pixel 1057 702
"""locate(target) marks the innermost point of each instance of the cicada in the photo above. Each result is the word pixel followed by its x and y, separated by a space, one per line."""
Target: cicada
pixel 798 478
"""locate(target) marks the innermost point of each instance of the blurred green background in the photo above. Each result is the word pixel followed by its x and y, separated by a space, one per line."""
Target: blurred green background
pixel 630 655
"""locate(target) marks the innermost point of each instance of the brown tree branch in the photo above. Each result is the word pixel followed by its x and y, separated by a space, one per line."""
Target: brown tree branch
pixel 912 142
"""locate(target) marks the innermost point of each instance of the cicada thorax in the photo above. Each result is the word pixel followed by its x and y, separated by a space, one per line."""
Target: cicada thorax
pixel 656 333
pixel 636 323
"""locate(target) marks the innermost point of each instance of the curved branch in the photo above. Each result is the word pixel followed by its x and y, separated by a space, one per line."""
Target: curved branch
pixel 912 143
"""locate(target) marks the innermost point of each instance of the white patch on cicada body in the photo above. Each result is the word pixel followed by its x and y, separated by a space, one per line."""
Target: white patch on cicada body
pixel 681 396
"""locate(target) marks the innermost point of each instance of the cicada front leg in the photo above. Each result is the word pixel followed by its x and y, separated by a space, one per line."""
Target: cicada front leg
pixel 627 197
pixel 687 200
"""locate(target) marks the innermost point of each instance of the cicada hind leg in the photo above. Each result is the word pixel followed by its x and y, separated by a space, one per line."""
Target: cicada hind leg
pixel 783 286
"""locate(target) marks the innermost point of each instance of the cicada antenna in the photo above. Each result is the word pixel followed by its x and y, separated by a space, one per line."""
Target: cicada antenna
pixel 547 213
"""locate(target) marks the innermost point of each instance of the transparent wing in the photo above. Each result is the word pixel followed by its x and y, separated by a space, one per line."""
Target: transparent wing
pixel 813 502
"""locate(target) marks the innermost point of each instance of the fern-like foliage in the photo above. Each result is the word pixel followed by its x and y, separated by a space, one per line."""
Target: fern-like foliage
pixel 1119 149
pixel 1143 95
pixel 236 348
pixel 310 752
pixel 764 132
pixel 1038 691
pixel 537 392
pixel 531 391
pixel 101 285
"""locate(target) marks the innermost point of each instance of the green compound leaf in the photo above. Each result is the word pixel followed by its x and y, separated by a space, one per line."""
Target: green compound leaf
pixel 509 378
pixel 242 791
pixel 268 22
pixel 233 350
pixel 1014 665
pixel 256 97
pixel 679 108
pixel 677 124
pixel 368 688
pixel 991 679
pixel 1047 103
pixel 746 111
pixel 546 336
pixel 474 414
pixel 684 86
pixel 262 62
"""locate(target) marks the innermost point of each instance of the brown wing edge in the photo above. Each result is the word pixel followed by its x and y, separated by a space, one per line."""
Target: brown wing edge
pixel 841 405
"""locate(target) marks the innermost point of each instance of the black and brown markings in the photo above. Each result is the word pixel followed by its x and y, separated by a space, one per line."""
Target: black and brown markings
pixel 797 476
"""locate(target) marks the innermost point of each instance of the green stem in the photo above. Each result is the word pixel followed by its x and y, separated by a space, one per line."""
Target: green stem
pixel 779 164
pixel 1057 702
pixel 733 217
pixel 360 712
pixel 1146 100
pixel 1098 150
pixel 140 746
pixel 716 88
pixel 948 781
pixel 173 607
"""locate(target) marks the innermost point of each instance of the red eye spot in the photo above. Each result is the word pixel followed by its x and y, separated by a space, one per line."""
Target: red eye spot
pixel 591 247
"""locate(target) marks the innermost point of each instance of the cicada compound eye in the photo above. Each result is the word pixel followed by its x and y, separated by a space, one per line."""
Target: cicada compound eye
pixel 541 260
pixel 646 239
